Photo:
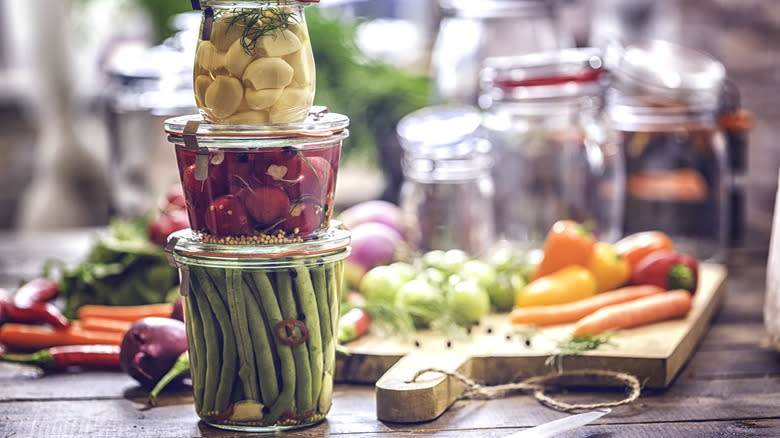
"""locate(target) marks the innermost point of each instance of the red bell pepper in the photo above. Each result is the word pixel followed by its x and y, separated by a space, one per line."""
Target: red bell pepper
pixel 667 269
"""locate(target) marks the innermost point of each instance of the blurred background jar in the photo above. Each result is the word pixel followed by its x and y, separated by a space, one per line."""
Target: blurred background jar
pixel 555 156
pixel 146 86
pixel 471 31
pixel 664 103
pixel 447 193
pixel 772 301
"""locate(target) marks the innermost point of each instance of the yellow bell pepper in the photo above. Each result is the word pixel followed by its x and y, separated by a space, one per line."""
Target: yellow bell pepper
pixel 609 268
pixel 571 283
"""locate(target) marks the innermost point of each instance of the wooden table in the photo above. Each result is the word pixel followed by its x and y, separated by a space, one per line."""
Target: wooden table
pixel 730 387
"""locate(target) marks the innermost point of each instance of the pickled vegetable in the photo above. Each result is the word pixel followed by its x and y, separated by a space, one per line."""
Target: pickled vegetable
pixel 256 67
pixel 278 368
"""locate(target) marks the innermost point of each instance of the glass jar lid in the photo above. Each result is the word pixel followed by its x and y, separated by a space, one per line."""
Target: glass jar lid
pixel 186 247
pixel 496 8
pixel 439 132
pixel 665 70
pixel 320 126
pixel 560 73
pixel 200 4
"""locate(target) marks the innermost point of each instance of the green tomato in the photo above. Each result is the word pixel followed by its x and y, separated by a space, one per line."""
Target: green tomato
pixel 433 259
pixel 404 271
pixel 453 261
pixel 380 284
pixel 422 300
pixel 434 276
pixel 483 273
pixel 508 284
pixel 468 302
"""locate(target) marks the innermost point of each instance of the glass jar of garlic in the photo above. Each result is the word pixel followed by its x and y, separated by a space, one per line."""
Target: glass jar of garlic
pixel 254 63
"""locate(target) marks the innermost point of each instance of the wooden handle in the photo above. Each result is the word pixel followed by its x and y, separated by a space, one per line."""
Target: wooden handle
pixel 401 400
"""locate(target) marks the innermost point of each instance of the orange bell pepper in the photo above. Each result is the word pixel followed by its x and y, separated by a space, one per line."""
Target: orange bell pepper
pixel 634 247
pixel 567 243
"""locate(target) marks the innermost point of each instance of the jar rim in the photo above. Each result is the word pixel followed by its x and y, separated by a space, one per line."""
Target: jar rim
pixel 199 4
pixel 495 8
pixel 320 123
pixel 186 247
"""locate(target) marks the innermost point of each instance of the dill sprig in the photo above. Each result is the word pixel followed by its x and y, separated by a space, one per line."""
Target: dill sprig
pixel 257 22
pixel 573 346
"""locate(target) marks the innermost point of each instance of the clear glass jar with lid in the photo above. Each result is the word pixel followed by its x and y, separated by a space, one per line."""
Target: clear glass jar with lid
pixel 447 193
pixel 471 31
pixel 254 63
pixel 664 103
pixel 556 158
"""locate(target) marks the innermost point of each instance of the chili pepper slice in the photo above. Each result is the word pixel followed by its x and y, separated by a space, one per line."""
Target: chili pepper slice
pixel 291 332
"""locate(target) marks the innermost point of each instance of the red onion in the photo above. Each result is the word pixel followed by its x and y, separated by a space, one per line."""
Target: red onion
pixel 375 211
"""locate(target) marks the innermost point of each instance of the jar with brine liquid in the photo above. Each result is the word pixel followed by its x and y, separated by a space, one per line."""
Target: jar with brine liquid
pixel 254 63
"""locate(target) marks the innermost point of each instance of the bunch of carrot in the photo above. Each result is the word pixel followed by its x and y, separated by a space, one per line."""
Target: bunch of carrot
pixel 31 323
pixel 638 280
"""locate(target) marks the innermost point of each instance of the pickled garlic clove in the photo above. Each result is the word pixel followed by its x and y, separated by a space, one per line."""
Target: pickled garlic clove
pixel 202 83
pixel 279 43
pixel 261 99
pixel 224 96
pixel 247 410
pixel 248 118
pixel 224 32
pixel 302 63
pixel 237 58
pixel 209 57
pixel 292 106
pixel 300 30
pixel 268 73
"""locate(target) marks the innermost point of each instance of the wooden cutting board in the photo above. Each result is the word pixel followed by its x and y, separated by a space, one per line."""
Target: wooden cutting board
pixel 497 352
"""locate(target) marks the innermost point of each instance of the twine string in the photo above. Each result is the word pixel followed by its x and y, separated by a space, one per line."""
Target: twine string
pixel 474 390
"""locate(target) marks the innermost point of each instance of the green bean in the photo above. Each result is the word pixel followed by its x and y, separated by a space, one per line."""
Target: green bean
pixel 321 292
pixel 196 347
pixel 308 304
pixel 334 286
pixel 229 354
pixel 303 376
pixel 236 303
pixel 267 299
pixel 266 368
pixel 211 362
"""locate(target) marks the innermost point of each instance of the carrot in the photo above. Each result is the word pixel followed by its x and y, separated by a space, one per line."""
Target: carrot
pixel 36 337
pixel 653 308
pixel 125 313
pixel 570 312
pixel 105 324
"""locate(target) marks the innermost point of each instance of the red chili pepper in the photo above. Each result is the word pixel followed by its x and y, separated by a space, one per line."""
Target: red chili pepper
pixel 353 324
pixel 39 290
pixel 36 313
pixel 667 269
pixel 66 356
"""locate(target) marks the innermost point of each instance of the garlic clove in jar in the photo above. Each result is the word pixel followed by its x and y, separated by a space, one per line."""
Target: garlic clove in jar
pixel 300 30
pixel 261 99
pixel 237 58
pixel 224 32
pixel 268 73
pixel 248 118
pixel 302 63
pixel 279 43
pixel 209 57
pixel 224 96
pixel 202 83
pixel 293 106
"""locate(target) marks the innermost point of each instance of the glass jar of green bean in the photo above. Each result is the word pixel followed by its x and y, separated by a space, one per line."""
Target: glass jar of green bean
pixel 261 327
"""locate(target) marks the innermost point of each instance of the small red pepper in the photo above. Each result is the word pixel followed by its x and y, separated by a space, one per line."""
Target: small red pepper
pixel 66 356
pixel 353 324
pixel 667 269
pixel 36 313
pixel 39 290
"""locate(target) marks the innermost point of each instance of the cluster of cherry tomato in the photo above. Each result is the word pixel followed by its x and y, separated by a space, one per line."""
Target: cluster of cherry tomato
pixel 260 191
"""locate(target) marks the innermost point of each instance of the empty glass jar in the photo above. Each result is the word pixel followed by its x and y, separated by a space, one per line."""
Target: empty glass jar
pixel 555 156
pixel 447 194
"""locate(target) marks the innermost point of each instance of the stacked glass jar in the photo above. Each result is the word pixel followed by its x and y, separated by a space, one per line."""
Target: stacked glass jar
pixel 261 264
